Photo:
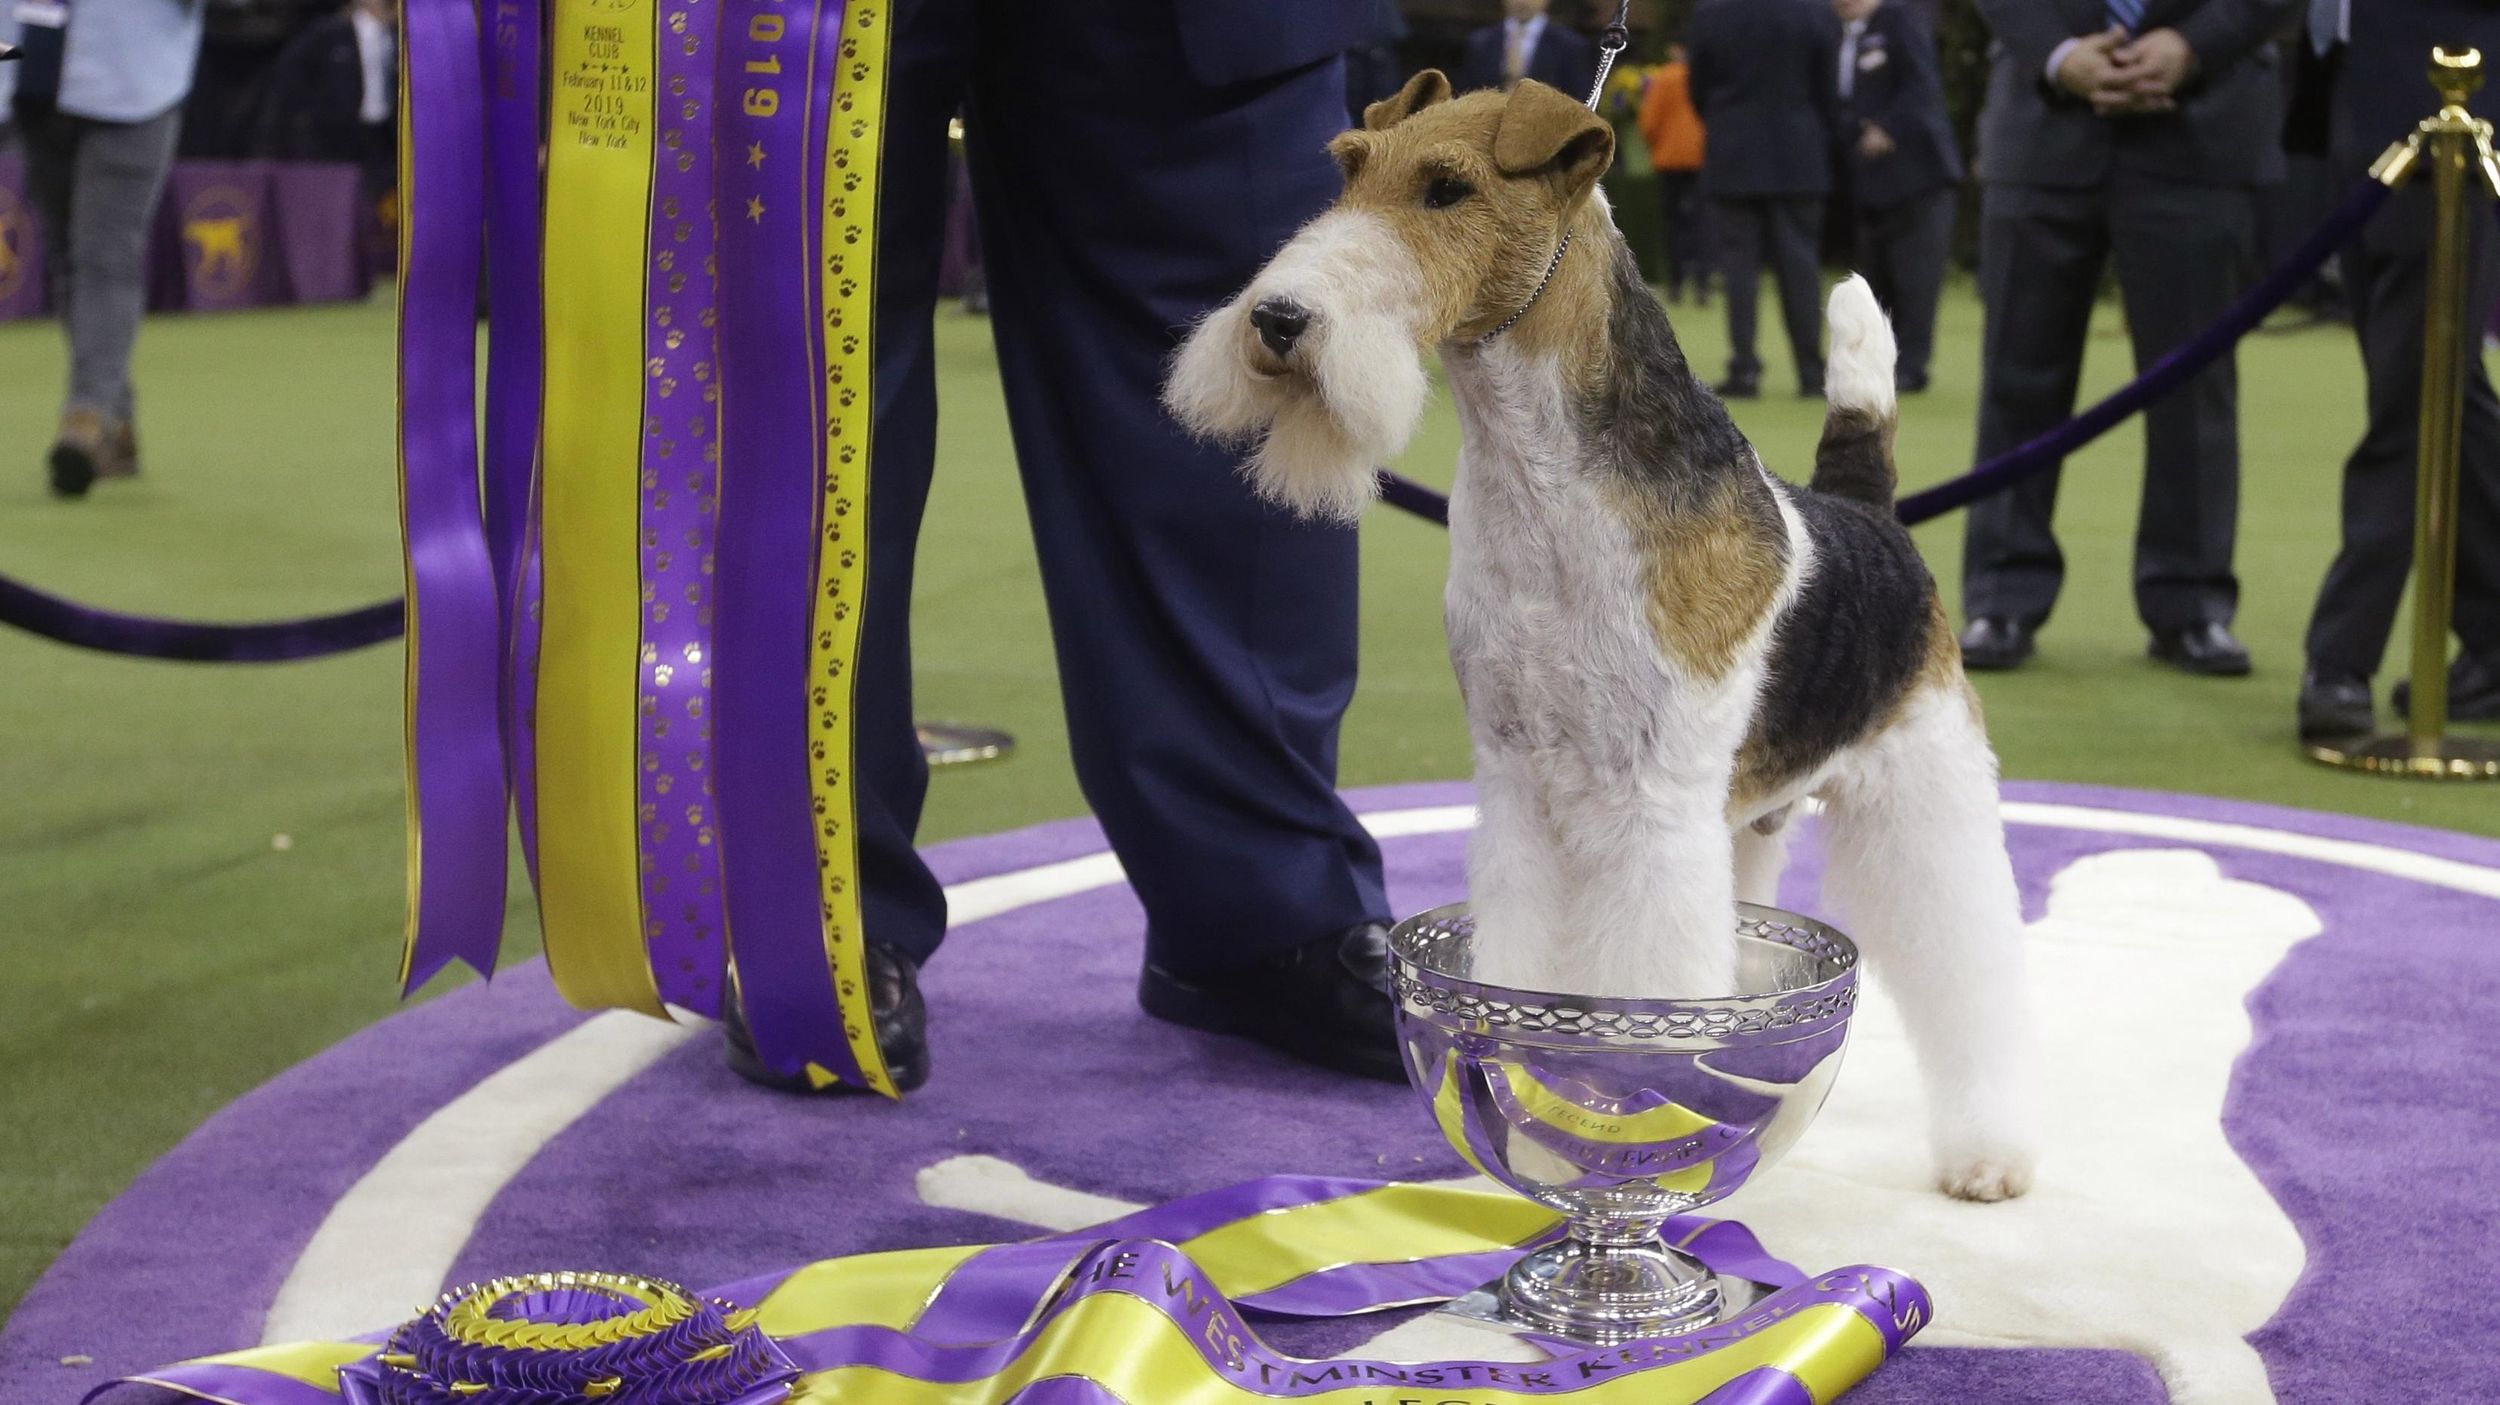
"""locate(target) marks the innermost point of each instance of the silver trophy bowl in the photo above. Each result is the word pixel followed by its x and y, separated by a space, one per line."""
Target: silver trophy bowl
pixel 1621 1113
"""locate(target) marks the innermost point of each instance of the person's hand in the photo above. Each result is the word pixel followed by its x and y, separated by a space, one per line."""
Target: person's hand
pixel 2157 61
pixel 1874 141
pixel 2088 68
pixel 2150 70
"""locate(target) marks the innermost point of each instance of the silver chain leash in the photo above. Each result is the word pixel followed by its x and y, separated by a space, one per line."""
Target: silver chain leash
pixel 1617 38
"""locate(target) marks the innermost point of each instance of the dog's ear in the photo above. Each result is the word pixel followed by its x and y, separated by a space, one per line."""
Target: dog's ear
pixel 1545 131
pixel 1420 92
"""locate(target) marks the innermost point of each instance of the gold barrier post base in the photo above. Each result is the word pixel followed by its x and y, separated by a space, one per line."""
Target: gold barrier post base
pixel 951 744
pixel 2398 754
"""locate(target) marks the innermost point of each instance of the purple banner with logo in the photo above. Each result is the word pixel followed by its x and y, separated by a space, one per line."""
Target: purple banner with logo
pixel 228 234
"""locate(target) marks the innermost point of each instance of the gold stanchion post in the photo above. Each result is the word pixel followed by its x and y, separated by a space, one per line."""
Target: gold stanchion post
pixel 2465 174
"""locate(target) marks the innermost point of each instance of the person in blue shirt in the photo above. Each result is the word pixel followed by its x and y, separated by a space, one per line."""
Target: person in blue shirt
pixel 98 102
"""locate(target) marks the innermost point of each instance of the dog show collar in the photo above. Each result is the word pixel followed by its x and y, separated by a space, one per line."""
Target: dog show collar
pixel 1550 265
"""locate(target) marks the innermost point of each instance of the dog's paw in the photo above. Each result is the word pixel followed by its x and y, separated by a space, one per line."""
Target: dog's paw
pixel 1986 1177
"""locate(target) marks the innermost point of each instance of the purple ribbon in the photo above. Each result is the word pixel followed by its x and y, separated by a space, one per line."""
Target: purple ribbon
pixel 521 690
pixel 515 375
pixel 515 316
pixel 776 76
pixel 455 751
pixel 679 817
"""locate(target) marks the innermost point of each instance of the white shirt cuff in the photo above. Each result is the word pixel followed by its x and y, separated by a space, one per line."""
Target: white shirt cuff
pixel 2057 57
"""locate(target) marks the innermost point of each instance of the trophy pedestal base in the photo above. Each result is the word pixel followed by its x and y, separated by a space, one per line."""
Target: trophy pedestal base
pixel 2394 754
pixel 1487 1307
pixel 952 744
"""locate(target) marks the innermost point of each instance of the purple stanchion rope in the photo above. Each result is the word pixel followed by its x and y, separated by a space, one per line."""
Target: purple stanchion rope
pixel 70 623
pixel 2164 376
pixel 2161 378
pixel 67 622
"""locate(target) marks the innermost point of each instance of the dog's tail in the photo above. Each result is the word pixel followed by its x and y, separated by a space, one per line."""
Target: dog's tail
pixel 1855 458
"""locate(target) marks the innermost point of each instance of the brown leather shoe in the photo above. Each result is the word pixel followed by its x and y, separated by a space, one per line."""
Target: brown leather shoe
pixel 121 451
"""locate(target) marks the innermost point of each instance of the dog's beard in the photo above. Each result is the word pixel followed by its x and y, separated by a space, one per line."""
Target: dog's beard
pixel 1317 433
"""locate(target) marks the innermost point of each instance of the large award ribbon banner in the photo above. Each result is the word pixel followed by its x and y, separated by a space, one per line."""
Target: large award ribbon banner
pixel 1155 1307
pixel 664 596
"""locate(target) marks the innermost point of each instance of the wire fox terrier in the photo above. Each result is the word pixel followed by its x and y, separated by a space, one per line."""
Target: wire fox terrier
pixel 1663 647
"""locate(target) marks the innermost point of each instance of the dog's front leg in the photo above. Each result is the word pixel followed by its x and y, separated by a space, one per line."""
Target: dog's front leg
pixel 1653 908
pixel 1514 882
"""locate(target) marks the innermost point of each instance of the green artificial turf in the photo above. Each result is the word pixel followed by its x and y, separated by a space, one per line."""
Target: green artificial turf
pixel 201 869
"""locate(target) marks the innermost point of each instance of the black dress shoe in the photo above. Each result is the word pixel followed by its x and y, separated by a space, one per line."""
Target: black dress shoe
pixel 902 1030
pixel 2208 649
pixel 1810 387
pixel 1739 388
pixel 2473 692
pixel 1910 382
pixel 1324 1002
pixel 1993 642
pixel 2334 705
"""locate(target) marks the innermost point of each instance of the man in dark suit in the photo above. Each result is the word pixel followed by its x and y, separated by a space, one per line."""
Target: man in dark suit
pixel 2378 54
pixel 1763 83
pixel 1206 641
pixel 1905 166
pixel 2134 130
pixel 1528 44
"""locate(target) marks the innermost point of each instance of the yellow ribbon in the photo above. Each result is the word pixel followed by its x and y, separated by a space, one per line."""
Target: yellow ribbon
pixel 853 141
pixel 599 153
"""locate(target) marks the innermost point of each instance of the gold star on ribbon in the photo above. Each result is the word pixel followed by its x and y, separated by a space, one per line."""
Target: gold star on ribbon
pixel 755 208
pixel 755 155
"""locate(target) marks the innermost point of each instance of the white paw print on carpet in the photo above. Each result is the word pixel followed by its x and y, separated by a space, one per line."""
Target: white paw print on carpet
pixel 2145 1232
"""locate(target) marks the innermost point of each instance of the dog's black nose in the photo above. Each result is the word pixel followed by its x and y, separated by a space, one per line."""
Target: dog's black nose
pixel 1281 323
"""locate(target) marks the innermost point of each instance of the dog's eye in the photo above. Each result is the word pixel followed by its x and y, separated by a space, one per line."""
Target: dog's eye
pixel 1447 191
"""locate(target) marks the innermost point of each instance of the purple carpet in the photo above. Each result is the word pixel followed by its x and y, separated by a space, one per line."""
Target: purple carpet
pixel 2363 1105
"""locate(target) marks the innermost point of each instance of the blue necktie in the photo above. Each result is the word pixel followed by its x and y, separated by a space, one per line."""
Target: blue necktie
pixel 2126 14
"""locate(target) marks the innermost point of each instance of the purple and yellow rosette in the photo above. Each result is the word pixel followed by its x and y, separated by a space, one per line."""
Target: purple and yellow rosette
pixel 1155 1307
pixel 573 1336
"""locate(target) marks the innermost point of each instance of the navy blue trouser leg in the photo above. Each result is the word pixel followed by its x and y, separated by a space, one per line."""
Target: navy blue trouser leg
pixel 1206 642
pixel 931 57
